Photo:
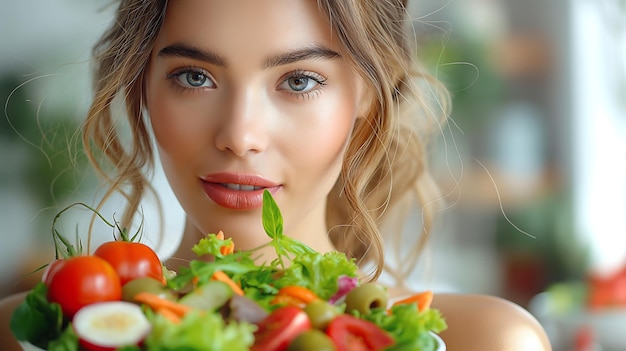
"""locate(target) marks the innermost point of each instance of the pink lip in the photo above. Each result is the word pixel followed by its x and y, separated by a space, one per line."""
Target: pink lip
pixel 215 186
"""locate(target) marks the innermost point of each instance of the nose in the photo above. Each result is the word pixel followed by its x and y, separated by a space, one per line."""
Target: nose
pixel 243 128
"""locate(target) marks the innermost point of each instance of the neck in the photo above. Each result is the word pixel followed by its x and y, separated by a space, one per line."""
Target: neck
pixel 183 254
pixel 312 230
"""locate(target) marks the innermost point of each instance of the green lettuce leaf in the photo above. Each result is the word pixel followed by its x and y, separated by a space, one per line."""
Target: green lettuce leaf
pixel 318 272
pixel 210 245
pixel 409 327
pixel 199 331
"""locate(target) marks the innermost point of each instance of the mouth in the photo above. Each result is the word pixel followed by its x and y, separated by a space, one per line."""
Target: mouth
pixel 241 187
pixel 237 191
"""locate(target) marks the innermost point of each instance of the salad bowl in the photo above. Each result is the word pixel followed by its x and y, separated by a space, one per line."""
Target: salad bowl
pixel 441 346
pixel 230 302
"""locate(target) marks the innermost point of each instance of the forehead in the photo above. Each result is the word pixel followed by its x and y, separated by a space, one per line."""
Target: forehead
pixel 245 27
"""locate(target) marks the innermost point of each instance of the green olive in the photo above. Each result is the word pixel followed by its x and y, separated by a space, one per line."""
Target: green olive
pixel 312 340
pixel 147 284
pixel 320 313
pixel 366 297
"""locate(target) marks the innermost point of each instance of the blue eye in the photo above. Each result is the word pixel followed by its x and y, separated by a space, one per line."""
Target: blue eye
pixel 302 82
pixel 192 78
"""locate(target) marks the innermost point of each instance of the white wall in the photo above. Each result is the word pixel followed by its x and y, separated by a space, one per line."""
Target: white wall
pixel 599 115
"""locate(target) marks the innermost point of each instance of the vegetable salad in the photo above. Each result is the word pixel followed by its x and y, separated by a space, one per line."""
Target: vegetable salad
pixel 302 300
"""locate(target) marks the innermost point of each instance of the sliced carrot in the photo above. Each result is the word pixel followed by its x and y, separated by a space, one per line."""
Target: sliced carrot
pixel 300 292
pixel 422 299
pixel 169 314
pixel 223 277
pixel 157 303
pixel 296 294
pixel 286 300
pixel 226 249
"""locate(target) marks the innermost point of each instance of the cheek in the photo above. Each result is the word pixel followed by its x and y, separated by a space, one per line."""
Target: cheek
pixel 177 125
pixel 322 148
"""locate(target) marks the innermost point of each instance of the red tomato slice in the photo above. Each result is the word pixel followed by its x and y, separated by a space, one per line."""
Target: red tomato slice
pixel 131 260
pixel 279 328
pixel 349 333
pixel 80 281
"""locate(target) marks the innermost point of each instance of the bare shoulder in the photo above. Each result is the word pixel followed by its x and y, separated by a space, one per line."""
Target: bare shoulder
pixel 480 322
pixel 7 306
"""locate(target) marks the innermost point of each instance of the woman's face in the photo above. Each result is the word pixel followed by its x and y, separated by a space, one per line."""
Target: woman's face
pixel 245 96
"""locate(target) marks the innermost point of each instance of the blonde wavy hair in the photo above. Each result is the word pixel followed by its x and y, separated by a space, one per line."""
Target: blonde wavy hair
pixel 385 170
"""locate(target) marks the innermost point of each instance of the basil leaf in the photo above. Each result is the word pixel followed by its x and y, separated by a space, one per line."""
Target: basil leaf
pixel 272 219
pixel 68 341
pixel 36 320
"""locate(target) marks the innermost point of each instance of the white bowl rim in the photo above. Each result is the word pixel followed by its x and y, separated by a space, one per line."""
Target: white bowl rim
pixel 442 345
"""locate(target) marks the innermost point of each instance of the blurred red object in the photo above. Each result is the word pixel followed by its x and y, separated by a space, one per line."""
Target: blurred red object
pixel 584 339
pixel 607 290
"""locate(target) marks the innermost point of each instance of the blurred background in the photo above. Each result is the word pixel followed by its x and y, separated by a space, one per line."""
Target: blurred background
pixel 532 163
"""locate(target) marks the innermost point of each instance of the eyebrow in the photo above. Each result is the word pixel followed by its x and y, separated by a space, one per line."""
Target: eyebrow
pixel 305 53
pixel 188 51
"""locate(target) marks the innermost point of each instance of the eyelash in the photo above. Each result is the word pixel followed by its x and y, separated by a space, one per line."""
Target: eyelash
pixel 317 78
pixel 174 76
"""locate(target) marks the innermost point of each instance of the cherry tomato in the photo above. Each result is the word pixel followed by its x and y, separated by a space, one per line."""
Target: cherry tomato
pixel 82 280
pixel 607 290
pixel 51 270
pixel 131 260
pixel 279 328
pixel 350 333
